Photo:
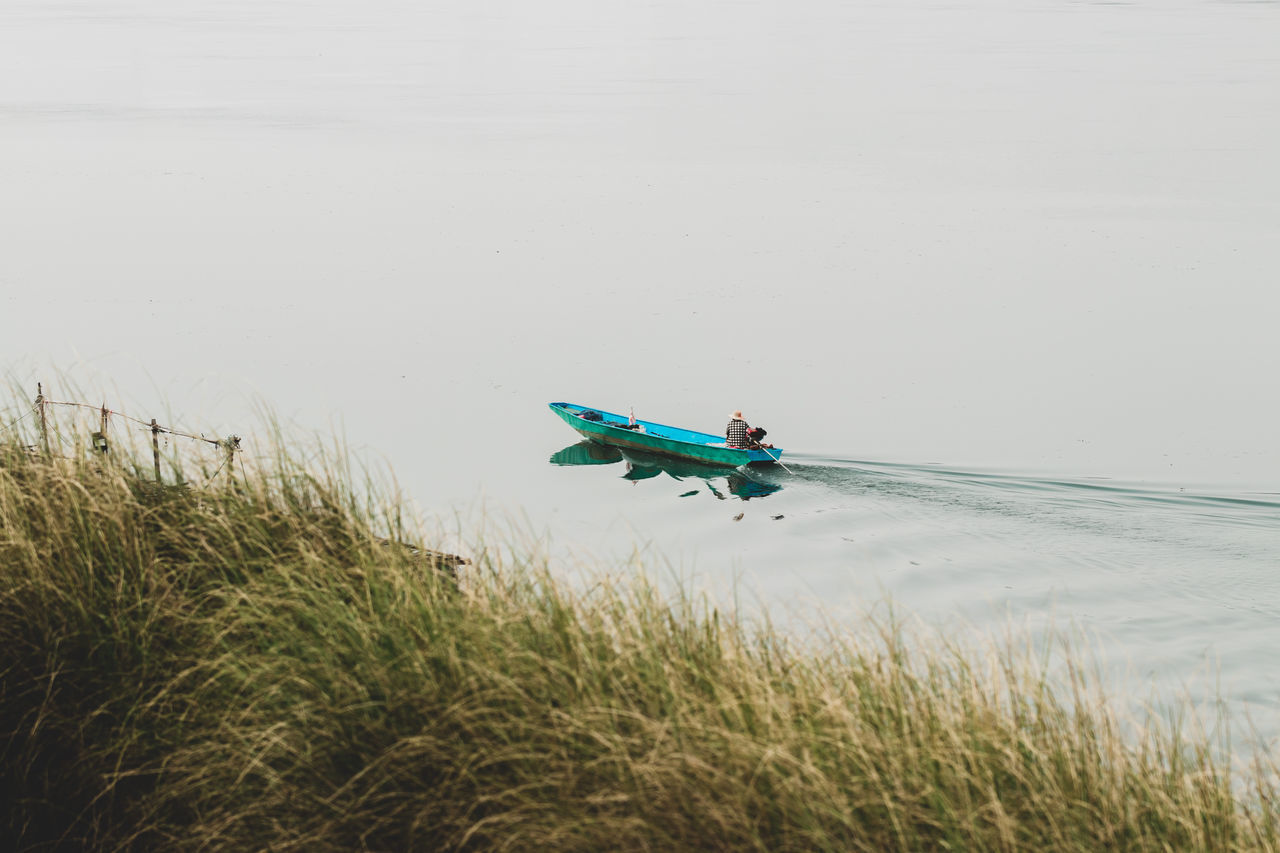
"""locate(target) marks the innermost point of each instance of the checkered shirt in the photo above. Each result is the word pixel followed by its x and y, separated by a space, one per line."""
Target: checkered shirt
pixel 735 434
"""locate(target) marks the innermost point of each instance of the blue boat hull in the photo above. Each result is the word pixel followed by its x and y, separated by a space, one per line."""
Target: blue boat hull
pixel 660 438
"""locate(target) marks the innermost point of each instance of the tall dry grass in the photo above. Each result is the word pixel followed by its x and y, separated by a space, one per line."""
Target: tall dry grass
pixel 264 667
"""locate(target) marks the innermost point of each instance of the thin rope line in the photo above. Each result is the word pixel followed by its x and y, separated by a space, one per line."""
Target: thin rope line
pixel 217 471
pixel 19 420
pixel 149 427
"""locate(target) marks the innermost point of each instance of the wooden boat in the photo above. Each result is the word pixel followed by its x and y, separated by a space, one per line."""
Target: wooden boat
pixel 609 428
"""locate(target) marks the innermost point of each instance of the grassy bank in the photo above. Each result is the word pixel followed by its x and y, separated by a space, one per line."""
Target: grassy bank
pixel 261 667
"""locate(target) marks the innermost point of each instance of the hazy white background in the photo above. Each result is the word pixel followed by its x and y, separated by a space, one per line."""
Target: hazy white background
pixel 1024 234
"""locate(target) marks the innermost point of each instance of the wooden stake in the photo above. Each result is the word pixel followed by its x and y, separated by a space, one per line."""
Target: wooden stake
pixel 231 461
pixel 44 426
pixel 155 446
pixel 102 432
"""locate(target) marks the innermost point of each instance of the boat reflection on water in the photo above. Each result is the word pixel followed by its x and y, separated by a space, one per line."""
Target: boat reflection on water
pixel 586 453
pixel 723 482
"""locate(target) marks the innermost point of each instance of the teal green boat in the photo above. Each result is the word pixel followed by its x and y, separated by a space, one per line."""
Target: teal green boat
pixel 608 428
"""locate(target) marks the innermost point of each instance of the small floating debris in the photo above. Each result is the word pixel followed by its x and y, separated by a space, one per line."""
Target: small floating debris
pixel 739 516
pixel 690 494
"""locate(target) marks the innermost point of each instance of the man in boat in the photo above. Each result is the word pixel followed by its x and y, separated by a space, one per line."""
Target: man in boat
pixel 739 434
pixel 735 434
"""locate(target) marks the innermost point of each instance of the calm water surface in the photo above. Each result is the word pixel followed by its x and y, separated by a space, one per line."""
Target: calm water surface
pixel 1000 275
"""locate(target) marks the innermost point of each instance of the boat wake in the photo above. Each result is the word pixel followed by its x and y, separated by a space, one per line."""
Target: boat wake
pixel 1019 494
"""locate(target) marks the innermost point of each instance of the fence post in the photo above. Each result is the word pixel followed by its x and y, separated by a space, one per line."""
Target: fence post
pixel 155 446
pixel 44 426
pixel 100 437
